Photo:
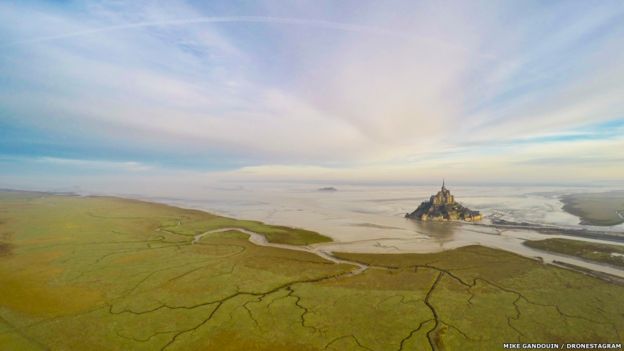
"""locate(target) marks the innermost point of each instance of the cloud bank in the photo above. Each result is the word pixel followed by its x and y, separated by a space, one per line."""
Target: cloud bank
pixel 371 91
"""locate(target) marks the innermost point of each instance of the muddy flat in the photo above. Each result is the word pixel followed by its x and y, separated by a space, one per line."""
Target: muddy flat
pixel 603 209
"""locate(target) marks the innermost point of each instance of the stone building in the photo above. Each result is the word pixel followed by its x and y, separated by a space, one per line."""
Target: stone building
pixel 443 197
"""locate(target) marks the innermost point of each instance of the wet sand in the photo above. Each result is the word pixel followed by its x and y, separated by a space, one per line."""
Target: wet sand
pixel 601 209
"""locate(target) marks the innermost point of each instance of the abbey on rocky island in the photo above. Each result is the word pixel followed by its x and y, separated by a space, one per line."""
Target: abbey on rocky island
pixel 442 207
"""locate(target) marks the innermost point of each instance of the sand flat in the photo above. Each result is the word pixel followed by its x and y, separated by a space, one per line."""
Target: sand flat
pixel 603 209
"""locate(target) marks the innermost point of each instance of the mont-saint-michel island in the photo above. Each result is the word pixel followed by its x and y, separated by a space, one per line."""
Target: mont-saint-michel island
pixel 443 207
pixel 265 175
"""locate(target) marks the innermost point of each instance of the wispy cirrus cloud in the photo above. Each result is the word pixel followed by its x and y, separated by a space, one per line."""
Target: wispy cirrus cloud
pixel 130 166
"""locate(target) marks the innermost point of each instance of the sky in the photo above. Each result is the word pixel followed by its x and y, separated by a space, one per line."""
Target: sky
pixel 323 91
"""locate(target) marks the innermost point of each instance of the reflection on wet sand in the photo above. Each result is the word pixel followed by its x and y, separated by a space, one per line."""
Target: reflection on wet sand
pixel 440 232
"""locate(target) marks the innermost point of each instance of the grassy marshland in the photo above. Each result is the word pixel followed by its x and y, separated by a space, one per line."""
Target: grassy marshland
pixel 110 274
pixel 598 252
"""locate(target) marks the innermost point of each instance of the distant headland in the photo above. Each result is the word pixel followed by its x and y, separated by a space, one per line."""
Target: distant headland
pixel 442 207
